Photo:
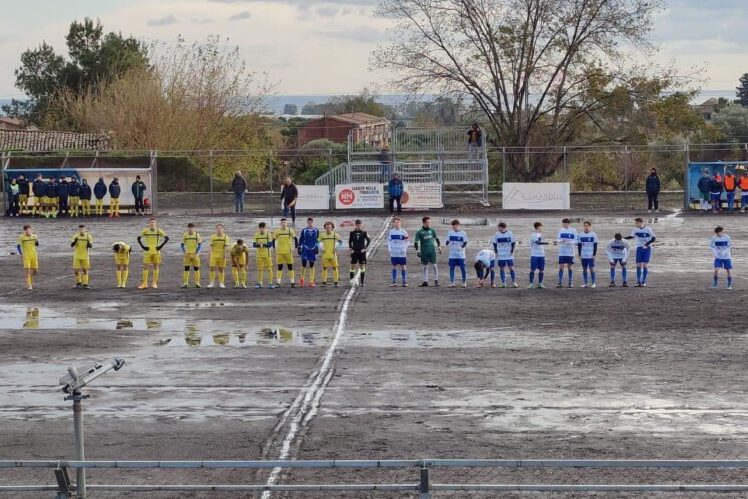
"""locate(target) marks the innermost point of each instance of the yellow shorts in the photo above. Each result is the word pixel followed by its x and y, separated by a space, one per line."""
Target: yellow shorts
pixel 31 263
pixel 191 260
pixel 284 258
pixel 218 261
pixel 23 198
pixel 330 261
pixel 81 264
pixel 152 259
pixel 44 200
pixel 122 259
pixel 264 262
pixel 239 263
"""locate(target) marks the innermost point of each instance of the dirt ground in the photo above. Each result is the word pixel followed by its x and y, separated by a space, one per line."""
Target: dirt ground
pixel 415 373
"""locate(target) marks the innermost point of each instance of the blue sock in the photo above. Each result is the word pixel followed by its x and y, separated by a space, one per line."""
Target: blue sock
pixel 560 275
pixel 394 275
pixel 532 276
pixel 540 277
pixel 638 275
pixel 613 275
pixel 645 271
pixel 493 276
pixel 502 275
pixel 463 272
pixel 404 274
pixel 452 274
pixel 592 276
pixel 584 274
pixel 513 276
pixel 729 281
pixel 715 280
pixel 624 273
pixel 570 274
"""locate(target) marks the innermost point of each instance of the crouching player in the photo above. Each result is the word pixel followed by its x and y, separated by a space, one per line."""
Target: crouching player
pixel 121 262
pixel 503 245
pixel 27 244
pixel 485 263
pixel 587 253
pixel 329 242
pixel 239 258
pixel 618 254
pixel 308 240
pixel 721 245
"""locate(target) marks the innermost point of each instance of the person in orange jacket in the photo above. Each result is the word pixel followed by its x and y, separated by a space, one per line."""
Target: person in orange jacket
pixel 730 183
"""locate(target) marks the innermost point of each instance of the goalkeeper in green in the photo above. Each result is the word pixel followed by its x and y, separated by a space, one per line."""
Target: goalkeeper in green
pixel 427 244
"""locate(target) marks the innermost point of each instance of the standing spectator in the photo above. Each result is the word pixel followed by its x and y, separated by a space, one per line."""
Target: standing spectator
pixel 100 191
pixel 289 195
pixel 703 186
pixel 39 189
pixel 85 198
pixel 730 183
pixel 51 191
pixel 743 184
pixel 475 142
pixel 14 196
pixel 239 186
pixel 384 161
pixel 715 192
pixel 138 192
pixel 75 196
pixel 23 193
pixel 114 193
pixel 63 191
pixel 653 190
pixel 395 190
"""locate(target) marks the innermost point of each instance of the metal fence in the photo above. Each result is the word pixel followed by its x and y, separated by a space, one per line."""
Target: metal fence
pixel 424 478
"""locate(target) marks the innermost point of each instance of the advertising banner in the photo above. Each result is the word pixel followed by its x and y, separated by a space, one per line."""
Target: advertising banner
pixel 422 195
pixel 313 197
pixel 536 196
pixel 359 196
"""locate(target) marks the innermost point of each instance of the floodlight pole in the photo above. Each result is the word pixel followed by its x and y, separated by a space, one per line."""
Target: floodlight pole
pixel 80 454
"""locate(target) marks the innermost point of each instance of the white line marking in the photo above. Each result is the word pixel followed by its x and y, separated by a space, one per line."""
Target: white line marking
pixel 313 394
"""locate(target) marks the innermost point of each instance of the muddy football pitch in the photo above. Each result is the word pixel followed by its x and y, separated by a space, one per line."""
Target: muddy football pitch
pixel 380 372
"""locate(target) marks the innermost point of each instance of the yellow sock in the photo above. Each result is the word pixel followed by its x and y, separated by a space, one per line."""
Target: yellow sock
pixel 85 278
pixel 324 274
pixel 28 280
pixel 155 276
pixel 78 279
pixel 118 273
pixel 244 276
pixel 125 273
pixel 185 277
pixel 279 276
pixel 197 276
pixel 235 273
pixel 222 276
pixel 292 275
pixel 312 274
pixel 145 276
pixel 212 276
pixel 335 274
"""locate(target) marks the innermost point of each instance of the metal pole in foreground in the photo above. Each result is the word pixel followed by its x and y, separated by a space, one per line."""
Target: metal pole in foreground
pixel 80 473
pixel 424 485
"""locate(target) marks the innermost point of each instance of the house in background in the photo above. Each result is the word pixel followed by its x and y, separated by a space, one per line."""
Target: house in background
pixel 363 128
pixel 706 109
pixel 11 124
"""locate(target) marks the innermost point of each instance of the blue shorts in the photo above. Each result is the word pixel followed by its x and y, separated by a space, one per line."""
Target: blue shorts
pixel 588 263
pixel 564 260
pixel 723 263
pixel 397 260
pixel 506 263
pixel 308 255
pixel 537 263
pixel 643 255
pixel 457 262
pixel 618 260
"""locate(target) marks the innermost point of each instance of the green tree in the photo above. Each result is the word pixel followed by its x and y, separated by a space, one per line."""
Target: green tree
pixel 363 102
pixel 94 58
pixel 733 122
pixel 742 91
pixel 314 159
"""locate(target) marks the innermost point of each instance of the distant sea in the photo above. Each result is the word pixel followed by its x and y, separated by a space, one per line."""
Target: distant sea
pixel 277 102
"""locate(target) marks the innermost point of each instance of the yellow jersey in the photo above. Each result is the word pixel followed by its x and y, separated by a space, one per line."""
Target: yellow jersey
pixel 152 239
pixel 329 243
pixel 28 245
pixel 218 245
pixel 239 253
pixel 284 239
pixel 263 244
pixel 191 242
pixel 81 244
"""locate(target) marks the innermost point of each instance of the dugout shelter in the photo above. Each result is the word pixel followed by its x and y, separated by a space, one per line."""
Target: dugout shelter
pixel 696 170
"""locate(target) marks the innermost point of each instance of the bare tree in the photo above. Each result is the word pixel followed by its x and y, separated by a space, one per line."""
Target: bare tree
pixel 537 69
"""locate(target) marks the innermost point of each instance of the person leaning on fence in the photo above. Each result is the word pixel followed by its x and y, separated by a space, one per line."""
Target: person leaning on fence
pixel 138 192
pixel 239 187
pixel 395 190
pixel 653 190
pixel 475 142
pixel 290 196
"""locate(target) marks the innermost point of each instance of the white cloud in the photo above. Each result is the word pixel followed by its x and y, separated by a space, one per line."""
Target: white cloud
pixel 163 21
pixel 245 14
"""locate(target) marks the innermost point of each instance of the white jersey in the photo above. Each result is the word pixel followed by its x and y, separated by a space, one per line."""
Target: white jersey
pixel 537 249
pixel 504 242
pixel 642 236
pixel 488 258
pixel 588 240
pixel 397 242
pixel 721 246
pixel 567 239
pixel 618 250
pixel 456 241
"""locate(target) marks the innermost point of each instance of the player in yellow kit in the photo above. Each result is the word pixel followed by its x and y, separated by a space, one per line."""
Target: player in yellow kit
pixel 329 242
pixel 191 244
pixel 81 243
pixel 27 244
pixel 151 239
pixel 122 262
pixel 263 242
pixel 219 243
pixel 239 257
pixel 285 241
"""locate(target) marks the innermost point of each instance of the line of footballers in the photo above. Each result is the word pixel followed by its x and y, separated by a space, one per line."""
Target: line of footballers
pixel 313 243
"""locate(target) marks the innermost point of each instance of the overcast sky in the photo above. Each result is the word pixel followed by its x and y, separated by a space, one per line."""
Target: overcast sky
pixel 322 47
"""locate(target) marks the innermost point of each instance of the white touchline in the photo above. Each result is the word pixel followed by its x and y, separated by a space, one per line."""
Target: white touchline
pixel 314 392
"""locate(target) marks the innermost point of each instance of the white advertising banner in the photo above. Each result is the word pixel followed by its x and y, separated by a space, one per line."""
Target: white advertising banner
pixel 359 196
pixel 422 195
pixel 536 196
pixel 313 197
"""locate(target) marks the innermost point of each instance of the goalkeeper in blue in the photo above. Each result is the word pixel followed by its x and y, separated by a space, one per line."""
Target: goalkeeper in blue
pixel 587 252
pixel 485 263
pixel 721 245
pixel 308 250
pixel 618 254
pixel 503 245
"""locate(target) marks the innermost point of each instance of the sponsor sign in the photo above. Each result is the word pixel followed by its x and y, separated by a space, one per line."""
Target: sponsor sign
pixel 359 196
pixel 422 195
pixel 536 196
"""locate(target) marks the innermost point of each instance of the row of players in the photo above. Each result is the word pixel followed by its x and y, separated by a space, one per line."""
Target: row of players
pixel 311 242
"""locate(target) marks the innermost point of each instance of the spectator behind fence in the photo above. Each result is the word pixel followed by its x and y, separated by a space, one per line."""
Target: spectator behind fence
pixel 395 190
pixel 653 190
pixel 138 192
pixel 475 142
pixel 290 196
pixel 238 187
pixel 384 161
pixel 14 198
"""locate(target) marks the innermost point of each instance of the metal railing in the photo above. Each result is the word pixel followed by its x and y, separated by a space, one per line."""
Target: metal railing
pixel 422 481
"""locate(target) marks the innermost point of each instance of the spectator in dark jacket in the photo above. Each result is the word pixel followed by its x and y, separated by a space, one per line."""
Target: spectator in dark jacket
pixel 715 191
pixel 114 193
pixel 703 186
pixel 53 200
pixel 13 191
pixel 384 161
pixel 289 195
pixel 23 196
pixel 138 192
pixel 475 142
pixel 653 190
pixel 395 190
pixel 63 191
pixel 85 198
pixel 239 187
pixel 75 196
pixel 38 188
pixel 99 192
